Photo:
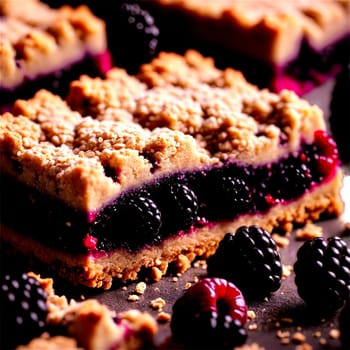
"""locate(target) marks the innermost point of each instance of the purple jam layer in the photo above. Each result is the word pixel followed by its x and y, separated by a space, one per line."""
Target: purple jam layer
pixel 58 82
pixel 176 204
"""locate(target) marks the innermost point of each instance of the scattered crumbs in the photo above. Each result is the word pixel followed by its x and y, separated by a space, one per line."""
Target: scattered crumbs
pixel 156 289
pixel 304 346
pixel 309 231
pixel 133 297
pixel 281 241
pixel 277 324
pixel 179 274
pixel 140 288
pixel 157 304
pixel 253 326
pixel 251 314
pixel 299 329
pixel 253 346
pixel 195 279
pixel 298 338
pixel 175 279
pixel 82 297
pixel 188 285
pixel 317 334
pixel 163 317
pixel 124 288
pixel 334 333
pixel 286 270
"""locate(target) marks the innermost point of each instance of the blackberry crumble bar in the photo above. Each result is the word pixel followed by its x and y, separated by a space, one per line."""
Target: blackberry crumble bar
pixel 144 173
pixel 281 44
pixel 45 47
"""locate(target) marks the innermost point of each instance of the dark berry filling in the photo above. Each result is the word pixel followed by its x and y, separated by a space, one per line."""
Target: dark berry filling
pixel 176 204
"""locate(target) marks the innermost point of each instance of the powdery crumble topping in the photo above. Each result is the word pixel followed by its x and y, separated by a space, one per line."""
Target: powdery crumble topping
pixel 178 113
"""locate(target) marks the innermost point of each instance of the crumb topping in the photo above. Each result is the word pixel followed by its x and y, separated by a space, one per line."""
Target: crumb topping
pixel 31 32
pixel 114 133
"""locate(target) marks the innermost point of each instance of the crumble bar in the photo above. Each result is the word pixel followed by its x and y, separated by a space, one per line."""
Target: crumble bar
pixel 133 174
pixel 283 44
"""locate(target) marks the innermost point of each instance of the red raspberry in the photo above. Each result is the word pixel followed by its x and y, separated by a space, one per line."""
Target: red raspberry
pixel 211 312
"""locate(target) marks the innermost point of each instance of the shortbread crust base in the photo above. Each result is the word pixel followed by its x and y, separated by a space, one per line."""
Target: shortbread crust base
pixel 175 253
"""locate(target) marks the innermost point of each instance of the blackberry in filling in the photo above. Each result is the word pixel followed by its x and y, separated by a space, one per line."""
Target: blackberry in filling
pixel 176 204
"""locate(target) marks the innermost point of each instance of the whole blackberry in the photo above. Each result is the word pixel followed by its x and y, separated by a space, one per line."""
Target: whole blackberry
pixel 290 178
pixel 179 206
pixel 137 38
pixel 322 274
pixel 23 309
pixel 250 259
pixel 226 196
pixel 132 222
pixel 344 325
pixel 210 315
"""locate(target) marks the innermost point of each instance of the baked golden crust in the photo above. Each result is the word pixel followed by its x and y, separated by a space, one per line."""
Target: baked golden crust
pixel 272 31
pixel 179 112
pixel 32 33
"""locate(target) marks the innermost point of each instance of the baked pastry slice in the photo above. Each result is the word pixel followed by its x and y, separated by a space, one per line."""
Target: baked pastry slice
pixel 45 47
pixel 145 173
pixel 281 44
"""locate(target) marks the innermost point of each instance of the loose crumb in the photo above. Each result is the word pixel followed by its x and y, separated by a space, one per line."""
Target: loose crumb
pixel 282 334
pixel 323 342
pixel 253 326
pixel 317 334
pixel 309 231
pixel 334 333
pixel 133 297
pixel 163 317
pixel 251 314
pixel 286 270
pixel 298 338
pixel 188 285
pixel 140 288
pixel 158 303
